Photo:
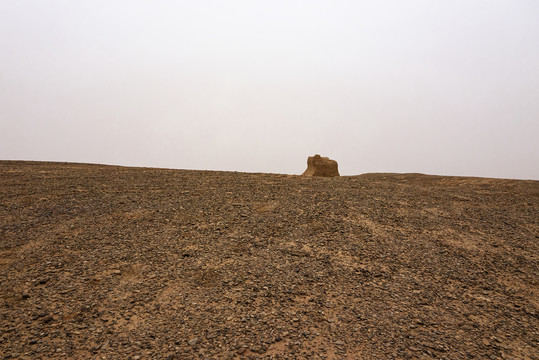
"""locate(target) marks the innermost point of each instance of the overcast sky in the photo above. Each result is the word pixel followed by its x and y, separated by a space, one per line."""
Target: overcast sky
pixel 440 87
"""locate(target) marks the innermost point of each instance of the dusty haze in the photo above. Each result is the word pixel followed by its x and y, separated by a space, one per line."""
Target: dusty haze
pixel 440 87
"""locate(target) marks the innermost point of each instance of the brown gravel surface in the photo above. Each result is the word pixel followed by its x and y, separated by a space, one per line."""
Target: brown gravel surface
pixel 103 262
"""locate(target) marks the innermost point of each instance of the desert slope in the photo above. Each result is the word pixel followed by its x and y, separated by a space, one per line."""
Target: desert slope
pixel 115 262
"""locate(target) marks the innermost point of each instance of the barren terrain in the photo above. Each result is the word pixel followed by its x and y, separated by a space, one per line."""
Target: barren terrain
pixel 103 262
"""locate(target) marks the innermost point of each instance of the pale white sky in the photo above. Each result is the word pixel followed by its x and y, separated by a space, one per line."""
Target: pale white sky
pixel 439 87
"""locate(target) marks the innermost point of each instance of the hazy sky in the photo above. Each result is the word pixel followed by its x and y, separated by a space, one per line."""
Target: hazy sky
pixel 440 87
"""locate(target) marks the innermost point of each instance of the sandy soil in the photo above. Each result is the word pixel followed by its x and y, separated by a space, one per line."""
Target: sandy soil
pixel 105 262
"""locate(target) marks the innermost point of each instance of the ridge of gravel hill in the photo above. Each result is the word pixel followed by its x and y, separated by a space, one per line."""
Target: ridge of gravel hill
pixel 106 262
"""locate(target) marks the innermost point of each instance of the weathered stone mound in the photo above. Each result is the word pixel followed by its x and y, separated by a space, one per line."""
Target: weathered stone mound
pixel 321 166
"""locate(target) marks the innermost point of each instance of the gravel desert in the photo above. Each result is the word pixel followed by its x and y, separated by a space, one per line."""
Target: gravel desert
pixel 107 262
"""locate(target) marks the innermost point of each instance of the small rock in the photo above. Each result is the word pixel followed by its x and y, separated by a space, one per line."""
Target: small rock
pixel 116 272
pixel 42 281
pixel 193 341
pixel 339 342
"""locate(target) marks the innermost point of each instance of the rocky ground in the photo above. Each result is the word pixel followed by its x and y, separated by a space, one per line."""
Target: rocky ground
pixel 103 262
